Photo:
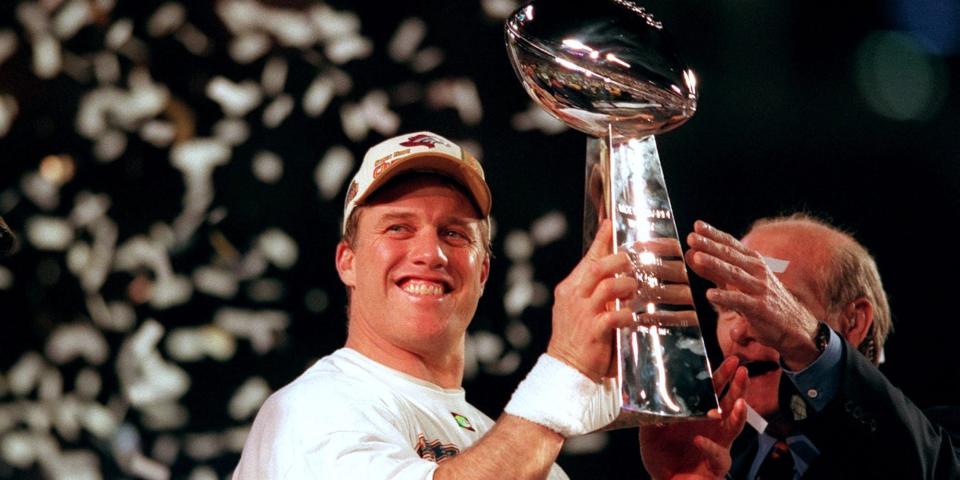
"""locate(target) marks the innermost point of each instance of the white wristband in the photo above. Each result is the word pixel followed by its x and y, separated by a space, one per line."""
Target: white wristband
pixel 564 400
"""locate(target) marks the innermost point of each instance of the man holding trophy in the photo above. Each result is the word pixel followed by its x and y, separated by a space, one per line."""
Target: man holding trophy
pixel 609 71
pixel 414 258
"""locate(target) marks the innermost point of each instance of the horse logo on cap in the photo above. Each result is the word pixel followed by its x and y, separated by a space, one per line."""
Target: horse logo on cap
pixel 423 140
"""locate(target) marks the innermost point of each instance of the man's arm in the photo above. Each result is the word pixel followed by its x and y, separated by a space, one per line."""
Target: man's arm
pixel 582 344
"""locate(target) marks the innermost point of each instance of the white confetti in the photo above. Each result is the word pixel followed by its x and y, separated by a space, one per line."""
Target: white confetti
pixel 165 449
pixel 459 94
pixel 586 444
pixel 166 19
pixel 88 384
pixel 345 49
pixel 406 39
pixel 488 346
pixel 196 159
pixel 215 281
pixel 536 118
pixel 499 9
pixel 278 247
pixel 8 44
pixel 119 33
pixel 44 194
pixel 332 171
pixel 50 387
pixel 110 146
pixel 77 340
pixel 248 398
pixel 427 59
pixel 265 290
pixel 33 17
pixel 262 328
pixel 203 472
pixel 518 245
pixel 145 377
pixel 89 207
pixel 191 344
pixel 236 99
pixel 248 47
pixel 267 166
pixel 18 449
pixel 73 465
pixel 147 468
pixel 106 67
pixel 330 23
pixel 158 133
pixel 193 39
pixel 352 121
pixel 71 18
pixel 47 57
pixel 549 228
pixel 318 96
pixel 274 76
pixel 234 438
pixel 170 291
pixel 118 316
pixel 518 334
pixel 231 131
pixel 24 374
pixel 164 416
pixel 277 111
pixel 8 112
pixel 49 233
pixel 517 298
pixel 507 365
pixel 6 278
pixel 239 15
pixel 66 418
pixel 98 420
pixel 291 28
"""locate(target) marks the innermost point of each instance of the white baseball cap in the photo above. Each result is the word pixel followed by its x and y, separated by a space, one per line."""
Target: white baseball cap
pixel 417 152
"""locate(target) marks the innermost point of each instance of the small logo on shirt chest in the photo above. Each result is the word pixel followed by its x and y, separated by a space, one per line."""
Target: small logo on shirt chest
pixel 463 421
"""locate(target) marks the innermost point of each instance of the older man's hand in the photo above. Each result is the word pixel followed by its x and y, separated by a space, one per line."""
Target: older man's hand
pixel 699 449
pixel 748 286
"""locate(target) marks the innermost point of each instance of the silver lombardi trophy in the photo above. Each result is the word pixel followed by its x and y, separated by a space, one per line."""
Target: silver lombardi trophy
pixel 606 68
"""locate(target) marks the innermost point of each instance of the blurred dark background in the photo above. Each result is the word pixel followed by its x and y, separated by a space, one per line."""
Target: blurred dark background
pixel 175 171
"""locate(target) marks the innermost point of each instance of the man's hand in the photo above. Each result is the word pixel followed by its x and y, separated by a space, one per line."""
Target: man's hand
pixel 699 449
pixel 748 286
pixel 582 324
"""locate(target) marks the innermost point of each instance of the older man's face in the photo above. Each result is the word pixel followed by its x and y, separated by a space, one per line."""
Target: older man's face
pixel 734 333
pixel 417 266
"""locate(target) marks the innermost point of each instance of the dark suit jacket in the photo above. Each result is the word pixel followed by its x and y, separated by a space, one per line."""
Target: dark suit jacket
pixel 869 430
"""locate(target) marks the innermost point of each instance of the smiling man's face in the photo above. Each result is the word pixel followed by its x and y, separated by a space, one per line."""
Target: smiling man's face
pixel 416 268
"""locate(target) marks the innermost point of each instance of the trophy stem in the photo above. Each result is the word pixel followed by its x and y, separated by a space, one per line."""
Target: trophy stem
pixel 663 370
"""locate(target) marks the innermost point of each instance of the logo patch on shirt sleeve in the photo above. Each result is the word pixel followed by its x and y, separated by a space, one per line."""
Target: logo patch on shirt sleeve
pixel 435 451
pixel 464 422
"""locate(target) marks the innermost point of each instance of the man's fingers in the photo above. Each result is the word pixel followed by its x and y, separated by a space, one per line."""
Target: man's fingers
pixel 717 235
pixel 724 373
pixel 749 261
pixel 733 300
pixel 602 243
pixel 722 273
pixel 736 390
pixel 718 458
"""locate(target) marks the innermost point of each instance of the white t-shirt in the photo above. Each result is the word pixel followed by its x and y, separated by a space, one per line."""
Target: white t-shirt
pixel 350 417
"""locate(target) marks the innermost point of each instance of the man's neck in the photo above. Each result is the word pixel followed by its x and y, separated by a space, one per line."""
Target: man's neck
pixel 441 367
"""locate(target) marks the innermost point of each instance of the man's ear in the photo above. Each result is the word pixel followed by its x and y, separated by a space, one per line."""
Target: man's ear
pixel 345 266
pixel 484 272
pixel 857 320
